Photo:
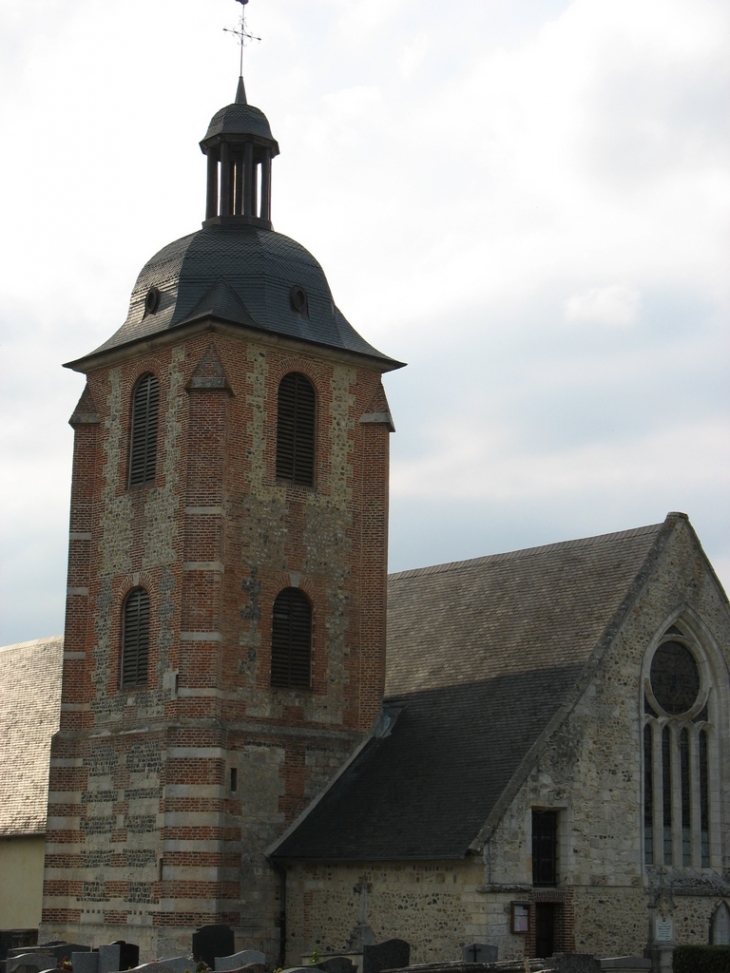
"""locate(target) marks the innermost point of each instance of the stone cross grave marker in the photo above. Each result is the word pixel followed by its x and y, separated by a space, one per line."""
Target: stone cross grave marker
pixel 479 953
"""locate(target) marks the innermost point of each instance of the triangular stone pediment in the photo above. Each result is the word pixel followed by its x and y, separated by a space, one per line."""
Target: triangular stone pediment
pixel 209 373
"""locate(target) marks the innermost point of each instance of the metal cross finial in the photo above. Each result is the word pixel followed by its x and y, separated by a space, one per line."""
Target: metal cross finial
pixel 242 33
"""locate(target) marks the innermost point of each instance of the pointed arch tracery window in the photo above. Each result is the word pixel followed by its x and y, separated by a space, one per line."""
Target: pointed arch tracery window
pixel 295 430
pixel 135 638
pixel 143 439
pixel 676 755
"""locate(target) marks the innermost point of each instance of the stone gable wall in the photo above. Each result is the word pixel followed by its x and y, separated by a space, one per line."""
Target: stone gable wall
pixel 590 770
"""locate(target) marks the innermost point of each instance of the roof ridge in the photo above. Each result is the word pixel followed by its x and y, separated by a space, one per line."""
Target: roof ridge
pixel 26 645
pixel 525 552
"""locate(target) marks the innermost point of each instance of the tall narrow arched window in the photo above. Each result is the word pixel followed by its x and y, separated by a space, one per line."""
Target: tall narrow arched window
pixel 676 753
pixel 295 429
pixel 135 638
pixel 291 640
pixel 143 444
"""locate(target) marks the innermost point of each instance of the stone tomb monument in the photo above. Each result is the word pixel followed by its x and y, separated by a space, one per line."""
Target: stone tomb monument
pixel 235 962
pixel 337 964
pixel 117 956
pixel 393 954
pixel 178 964
pixel 87 962
pixel 479 953
pixel 30 962
pixel 212 941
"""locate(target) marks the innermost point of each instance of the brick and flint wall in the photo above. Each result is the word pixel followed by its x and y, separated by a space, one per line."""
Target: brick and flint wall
pixel 146 838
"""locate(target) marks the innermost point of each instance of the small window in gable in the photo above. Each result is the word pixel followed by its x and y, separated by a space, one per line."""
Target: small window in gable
pixel 544 848
pixel 143 445
pixel 135 638
pixel 295 430
pixel 291 640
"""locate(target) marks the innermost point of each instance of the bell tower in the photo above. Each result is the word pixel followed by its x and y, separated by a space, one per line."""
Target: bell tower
pixel 225 626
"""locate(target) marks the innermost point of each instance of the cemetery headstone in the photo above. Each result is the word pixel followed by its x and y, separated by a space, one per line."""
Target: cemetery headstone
pixel 62 950
pixel 85 962
pixel 110 958
pixel 179 964
pixel 479 953
pixel 576 963
pixel 118 955
pixel 338 964
pixel 237 960
pixel 212 941
pixel 393 954
pixel 128 954
pixel 254 968
pixel 160 967
pixel 29 963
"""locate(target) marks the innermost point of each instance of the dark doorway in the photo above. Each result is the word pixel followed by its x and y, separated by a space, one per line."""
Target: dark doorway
pixel 544 929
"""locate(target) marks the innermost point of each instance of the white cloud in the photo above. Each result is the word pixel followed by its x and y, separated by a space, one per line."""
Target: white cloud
pixel 615 306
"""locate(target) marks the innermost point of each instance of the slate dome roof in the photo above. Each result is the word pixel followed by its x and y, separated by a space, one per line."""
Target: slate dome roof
pixel 241 274
pixel 239 119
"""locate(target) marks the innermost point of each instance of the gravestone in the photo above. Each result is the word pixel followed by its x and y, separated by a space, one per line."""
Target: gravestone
pixel 179 964
pixel 237 960
pixel 212 941
pixel 85 962
pixel 393 954
pixel 630 964
pixel 62 950
pixel 338 964
pixel 29 962
pixel 160 967
pixel 118 956
pixel 479 953
pixel 576 963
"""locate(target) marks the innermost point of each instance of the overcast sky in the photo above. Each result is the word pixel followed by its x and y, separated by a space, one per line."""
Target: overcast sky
pixel 526 200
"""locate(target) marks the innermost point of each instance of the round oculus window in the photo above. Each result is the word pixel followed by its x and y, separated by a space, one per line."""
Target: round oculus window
pixel 298 298
pixel 152 300
pixel 675 678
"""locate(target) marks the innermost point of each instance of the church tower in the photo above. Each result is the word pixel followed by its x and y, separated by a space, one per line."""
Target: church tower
pixel 225 626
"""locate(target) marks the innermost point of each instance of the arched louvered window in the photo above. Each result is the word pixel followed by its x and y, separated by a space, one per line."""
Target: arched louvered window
pixel 295 430
pixel 143 448
pixel 135 638
pixel 291 640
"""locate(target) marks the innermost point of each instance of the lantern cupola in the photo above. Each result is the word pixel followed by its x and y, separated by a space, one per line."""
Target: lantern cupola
pixel 239 147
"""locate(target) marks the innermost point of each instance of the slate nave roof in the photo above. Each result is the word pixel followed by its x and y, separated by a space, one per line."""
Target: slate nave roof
pixel 481 656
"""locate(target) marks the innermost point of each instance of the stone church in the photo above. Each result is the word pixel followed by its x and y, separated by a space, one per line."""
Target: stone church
pixel 537 756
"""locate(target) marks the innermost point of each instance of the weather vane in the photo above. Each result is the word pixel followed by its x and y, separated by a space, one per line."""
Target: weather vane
pixel 242 33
